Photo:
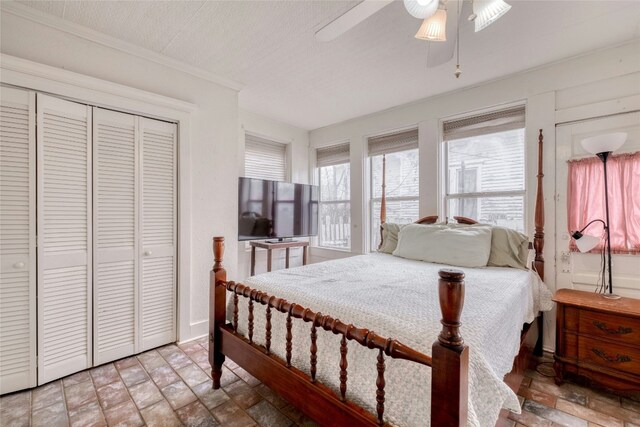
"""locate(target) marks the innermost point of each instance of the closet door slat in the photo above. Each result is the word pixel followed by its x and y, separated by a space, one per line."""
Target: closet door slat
pixel 64 174
pixel 158 225
pixel 115 207
pixel 17 240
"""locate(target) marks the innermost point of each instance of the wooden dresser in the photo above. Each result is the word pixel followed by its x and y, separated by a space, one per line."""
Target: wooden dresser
pixel 598 339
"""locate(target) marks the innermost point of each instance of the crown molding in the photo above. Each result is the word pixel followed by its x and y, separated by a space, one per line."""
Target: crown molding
pixel 60 24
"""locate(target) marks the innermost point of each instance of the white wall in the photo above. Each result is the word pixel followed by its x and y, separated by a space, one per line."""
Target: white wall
pixel 297 141
pixel 595 84
pixel 213 134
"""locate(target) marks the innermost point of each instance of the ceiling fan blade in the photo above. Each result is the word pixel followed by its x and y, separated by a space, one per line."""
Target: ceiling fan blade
pixel 350 19
pixel 439 53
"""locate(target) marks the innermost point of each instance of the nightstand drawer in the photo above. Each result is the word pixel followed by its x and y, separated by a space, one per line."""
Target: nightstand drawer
pixel 618 328
pixel 618 357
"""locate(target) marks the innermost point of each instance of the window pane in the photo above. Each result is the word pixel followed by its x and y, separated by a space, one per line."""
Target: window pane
pixel 399 212
pixel 485 163
pixel 334 183
pixel 335 225
pixel 503 211
pixel 334 221
pixel 401 174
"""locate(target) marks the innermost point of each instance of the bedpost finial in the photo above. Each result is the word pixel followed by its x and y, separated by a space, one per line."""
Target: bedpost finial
pixel 451 295
pixel 218 252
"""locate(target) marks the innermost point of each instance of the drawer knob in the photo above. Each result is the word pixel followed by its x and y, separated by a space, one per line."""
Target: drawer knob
pixel 18 265
pixel 603 327
pixel 619 358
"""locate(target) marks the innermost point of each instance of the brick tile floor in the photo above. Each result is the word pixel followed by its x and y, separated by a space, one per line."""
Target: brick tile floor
pixel 170 386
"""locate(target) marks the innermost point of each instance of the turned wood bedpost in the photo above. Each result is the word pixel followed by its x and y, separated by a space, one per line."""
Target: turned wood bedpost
pixel 383 200
pixel 217 310
pixel 450 366
pixel 538 237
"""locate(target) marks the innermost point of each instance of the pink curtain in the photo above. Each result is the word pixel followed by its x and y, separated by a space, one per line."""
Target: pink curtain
pixel 586 200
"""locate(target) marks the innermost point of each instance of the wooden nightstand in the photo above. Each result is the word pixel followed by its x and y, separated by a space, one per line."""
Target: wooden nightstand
pixel 598 339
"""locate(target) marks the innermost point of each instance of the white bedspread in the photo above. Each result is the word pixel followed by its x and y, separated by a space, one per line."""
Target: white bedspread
pixel 398 298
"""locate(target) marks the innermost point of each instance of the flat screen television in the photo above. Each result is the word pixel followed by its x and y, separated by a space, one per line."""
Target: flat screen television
pixel 276 210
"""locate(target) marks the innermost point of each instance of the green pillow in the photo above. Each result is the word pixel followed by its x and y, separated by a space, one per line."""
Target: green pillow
pixel 390 237
pixel 509 248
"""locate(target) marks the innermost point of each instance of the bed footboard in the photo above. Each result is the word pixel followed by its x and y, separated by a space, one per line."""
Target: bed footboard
pixel 449 360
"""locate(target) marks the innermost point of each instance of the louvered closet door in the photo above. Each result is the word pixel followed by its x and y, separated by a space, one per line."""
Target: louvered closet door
pixel 17 240
pixel 115 238
pixel 158 225
pixel 64 237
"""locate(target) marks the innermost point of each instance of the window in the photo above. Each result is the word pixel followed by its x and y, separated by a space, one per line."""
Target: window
pixel 485 168
pixel 399 152
pixel 264 159
pixel 334 221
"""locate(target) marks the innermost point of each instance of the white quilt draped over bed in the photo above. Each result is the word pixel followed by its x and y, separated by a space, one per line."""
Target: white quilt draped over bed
pixel 398 298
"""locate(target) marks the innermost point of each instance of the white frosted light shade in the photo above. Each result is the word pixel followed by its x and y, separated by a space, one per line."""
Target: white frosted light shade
pixel 587 242
pixel 604 143
pixel 434 28
pixel 488 11
pixel 421 9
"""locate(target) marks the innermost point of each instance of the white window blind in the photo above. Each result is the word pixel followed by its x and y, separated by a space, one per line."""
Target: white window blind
pixel 333 155
pixel 393 143
pixel 265 159
pixel 484 124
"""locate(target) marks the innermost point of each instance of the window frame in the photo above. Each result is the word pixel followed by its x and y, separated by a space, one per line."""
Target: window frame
pixel 332 202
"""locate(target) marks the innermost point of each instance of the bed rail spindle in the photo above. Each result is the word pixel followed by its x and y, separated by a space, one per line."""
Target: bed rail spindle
pixel 289 337
pixel 250 319
pixel 267 333
pixel 450 364
pixel 343 368
pixel 380 383
pixel 314 350
pixel 235 312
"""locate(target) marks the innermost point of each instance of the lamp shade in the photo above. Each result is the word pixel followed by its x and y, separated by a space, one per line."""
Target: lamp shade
pixel 434 28
pixel 421 9
pixel 488 11
pixel 587 242
pixel 604 143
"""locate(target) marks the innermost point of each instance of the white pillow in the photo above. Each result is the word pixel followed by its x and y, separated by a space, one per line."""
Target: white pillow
pixel 464 246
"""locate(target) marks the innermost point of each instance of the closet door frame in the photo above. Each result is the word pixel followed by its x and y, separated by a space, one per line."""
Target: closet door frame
pixel 94 91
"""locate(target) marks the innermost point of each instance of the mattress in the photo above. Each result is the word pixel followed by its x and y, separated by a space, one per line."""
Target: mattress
pixel 398 298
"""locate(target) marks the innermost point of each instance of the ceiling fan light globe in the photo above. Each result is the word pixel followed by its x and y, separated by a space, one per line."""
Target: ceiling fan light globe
pixel 604 143
pixel 488 11
pixel 587 242
pixel 434 28
pixel 421 9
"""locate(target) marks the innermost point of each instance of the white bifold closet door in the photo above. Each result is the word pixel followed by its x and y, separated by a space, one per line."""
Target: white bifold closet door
pixel 134 234
pixel 158 233
pixel 17 240
pixel 64 237
pixel 115 208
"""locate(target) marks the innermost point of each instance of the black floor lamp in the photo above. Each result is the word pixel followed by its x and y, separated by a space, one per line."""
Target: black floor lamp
pixel 602 146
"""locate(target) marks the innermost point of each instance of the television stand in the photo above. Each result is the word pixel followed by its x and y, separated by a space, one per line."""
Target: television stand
pixel 271 245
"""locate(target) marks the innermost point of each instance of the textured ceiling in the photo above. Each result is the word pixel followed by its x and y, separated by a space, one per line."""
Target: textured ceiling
pixel 288 76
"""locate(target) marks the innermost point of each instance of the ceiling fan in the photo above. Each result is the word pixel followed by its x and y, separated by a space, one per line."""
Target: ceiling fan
pixel 441 20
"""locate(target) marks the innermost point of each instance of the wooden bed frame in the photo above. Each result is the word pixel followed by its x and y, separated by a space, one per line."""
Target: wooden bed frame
pixel 449 360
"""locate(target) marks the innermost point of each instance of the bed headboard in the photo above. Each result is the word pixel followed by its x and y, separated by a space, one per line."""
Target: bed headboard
pixel 538 237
